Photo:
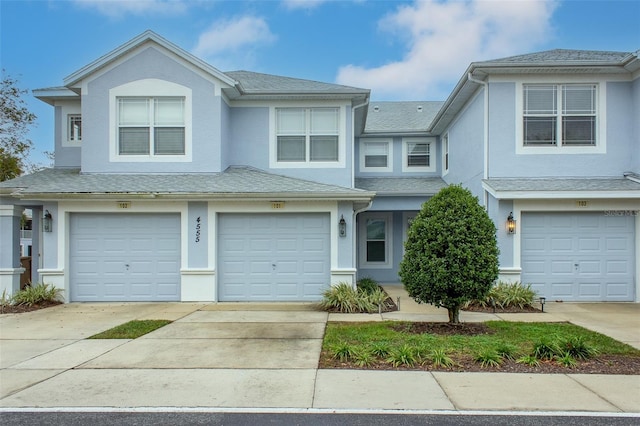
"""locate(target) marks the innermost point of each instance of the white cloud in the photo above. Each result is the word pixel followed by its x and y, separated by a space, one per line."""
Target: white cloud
pixel 119 8
pixel 302 4
pixel 441 39
pixel 233 43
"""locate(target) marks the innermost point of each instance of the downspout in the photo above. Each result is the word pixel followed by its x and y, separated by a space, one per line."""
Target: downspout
pixel 353 141
pixel 471 78
pixel 355 234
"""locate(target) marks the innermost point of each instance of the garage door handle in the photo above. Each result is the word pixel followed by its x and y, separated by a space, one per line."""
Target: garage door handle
pixel 126 266
pixel 273 265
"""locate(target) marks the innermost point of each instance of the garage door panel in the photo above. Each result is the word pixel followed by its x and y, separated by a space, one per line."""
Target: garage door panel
pixel 132 256
pixel 586 256
pixel 274 260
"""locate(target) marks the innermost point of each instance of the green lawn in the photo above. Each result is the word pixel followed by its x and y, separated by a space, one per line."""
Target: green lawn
pixel 376 342
pixel 131 329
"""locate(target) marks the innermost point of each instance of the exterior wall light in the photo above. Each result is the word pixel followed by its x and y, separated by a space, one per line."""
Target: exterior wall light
pixel 342 227
pixel 47 221
pixel 511 224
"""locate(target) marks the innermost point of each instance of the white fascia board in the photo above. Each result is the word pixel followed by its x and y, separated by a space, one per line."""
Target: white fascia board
pixel 131 45
pixel 559 195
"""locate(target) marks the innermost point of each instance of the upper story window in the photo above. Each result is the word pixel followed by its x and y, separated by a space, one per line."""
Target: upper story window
pixel 418 155
pixel 307 134
pixel 74 127
pixel 150 120
pixel 151 126
pixel 376 156
pixel 561 118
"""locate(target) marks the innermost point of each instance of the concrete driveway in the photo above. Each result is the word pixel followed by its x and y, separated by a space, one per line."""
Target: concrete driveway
pixel 207 350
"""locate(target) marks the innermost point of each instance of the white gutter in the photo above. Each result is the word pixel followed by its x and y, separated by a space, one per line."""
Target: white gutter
pixel 353 141
pixel 486 131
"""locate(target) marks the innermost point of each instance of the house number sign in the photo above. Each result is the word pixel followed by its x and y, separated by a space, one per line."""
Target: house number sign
pixel 198 229
pixel 124 204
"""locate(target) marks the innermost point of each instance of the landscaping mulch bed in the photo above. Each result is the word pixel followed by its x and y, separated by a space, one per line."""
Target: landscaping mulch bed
pixel 508 310
pixel 18 309
pixel 610 364
pixel 603 364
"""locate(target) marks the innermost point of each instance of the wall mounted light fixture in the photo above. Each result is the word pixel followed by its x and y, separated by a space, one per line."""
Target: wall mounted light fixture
pixel 342 227
pixel 47 221
pixel 511 224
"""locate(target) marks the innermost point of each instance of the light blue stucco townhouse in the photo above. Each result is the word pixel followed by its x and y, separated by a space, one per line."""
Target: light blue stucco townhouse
pixel 174 181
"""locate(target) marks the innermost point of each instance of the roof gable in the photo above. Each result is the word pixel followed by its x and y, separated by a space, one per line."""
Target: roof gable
pixel 148 37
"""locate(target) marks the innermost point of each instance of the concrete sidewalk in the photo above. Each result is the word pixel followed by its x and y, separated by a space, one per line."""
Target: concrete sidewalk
pixel 265 357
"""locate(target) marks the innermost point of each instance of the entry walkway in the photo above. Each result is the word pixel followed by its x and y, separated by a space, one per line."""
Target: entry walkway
pixel 264 357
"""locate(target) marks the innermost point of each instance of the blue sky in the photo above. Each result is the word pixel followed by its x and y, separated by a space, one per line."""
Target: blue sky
pixel 401 50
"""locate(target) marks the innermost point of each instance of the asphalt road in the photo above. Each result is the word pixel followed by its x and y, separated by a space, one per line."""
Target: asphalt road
pixel 321 419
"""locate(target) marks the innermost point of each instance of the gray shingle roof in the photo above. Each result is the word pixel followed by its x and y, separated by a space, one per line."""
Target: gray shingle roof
pixel 408 116
pixel 563 56
pixel 257 83
pixel 235 181
pixel 565 185
pixel 401 186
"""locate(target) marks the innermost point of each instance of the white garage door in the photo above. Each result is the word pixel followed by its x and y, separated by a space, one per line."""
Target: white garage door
pixel 579 256
pixel 125 257
pixel 273 257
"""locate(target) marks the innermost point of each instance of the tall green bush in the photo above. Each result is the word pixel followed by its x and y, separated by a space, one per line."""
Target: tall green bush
pixel 451 253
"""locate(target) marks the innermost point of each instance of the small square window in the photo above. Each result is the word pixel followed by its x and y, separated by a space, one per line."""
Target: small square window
pixel 74 127
pixel 417 155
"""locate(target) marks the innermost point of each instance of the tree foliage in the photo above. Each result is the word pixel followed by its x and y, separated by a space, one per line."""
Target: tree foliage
pixel 451 253
pixel 15 120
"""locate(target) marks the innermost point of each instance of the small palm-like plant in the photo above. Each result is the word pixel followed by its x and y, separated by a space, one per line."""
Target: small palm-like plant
pixel 39 293
pixel 488 358
pixel 404 355
pixel 577 347
pixel 344 352
pixel 380 349
pixel 439 358
pixel 364 359
pixel 529 360
pixel 566 360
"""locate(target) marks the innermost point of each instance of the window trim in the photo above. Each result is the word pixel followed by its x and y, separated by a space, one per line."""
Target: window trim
pixel 600 146
pixel 308 164
pixel 362 228
pixel 405 155
pixel 70 139
pixel 362 148
pixel 148 89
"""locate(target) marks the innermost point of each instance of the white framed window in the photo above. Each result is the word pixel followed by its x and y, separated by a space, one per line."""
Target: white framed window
pixel 445 153
pixel 74 127
pixel 376 240
pixel 307 135
pixel 560 118
pixel 151 126
pixel 418 155
pixel 150 120
pixel 376 155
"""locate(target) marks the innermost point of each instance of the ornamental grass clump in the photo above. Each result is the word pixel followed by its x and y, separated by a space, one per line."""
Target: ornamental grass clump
pixel 343 297
pixel 34 295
